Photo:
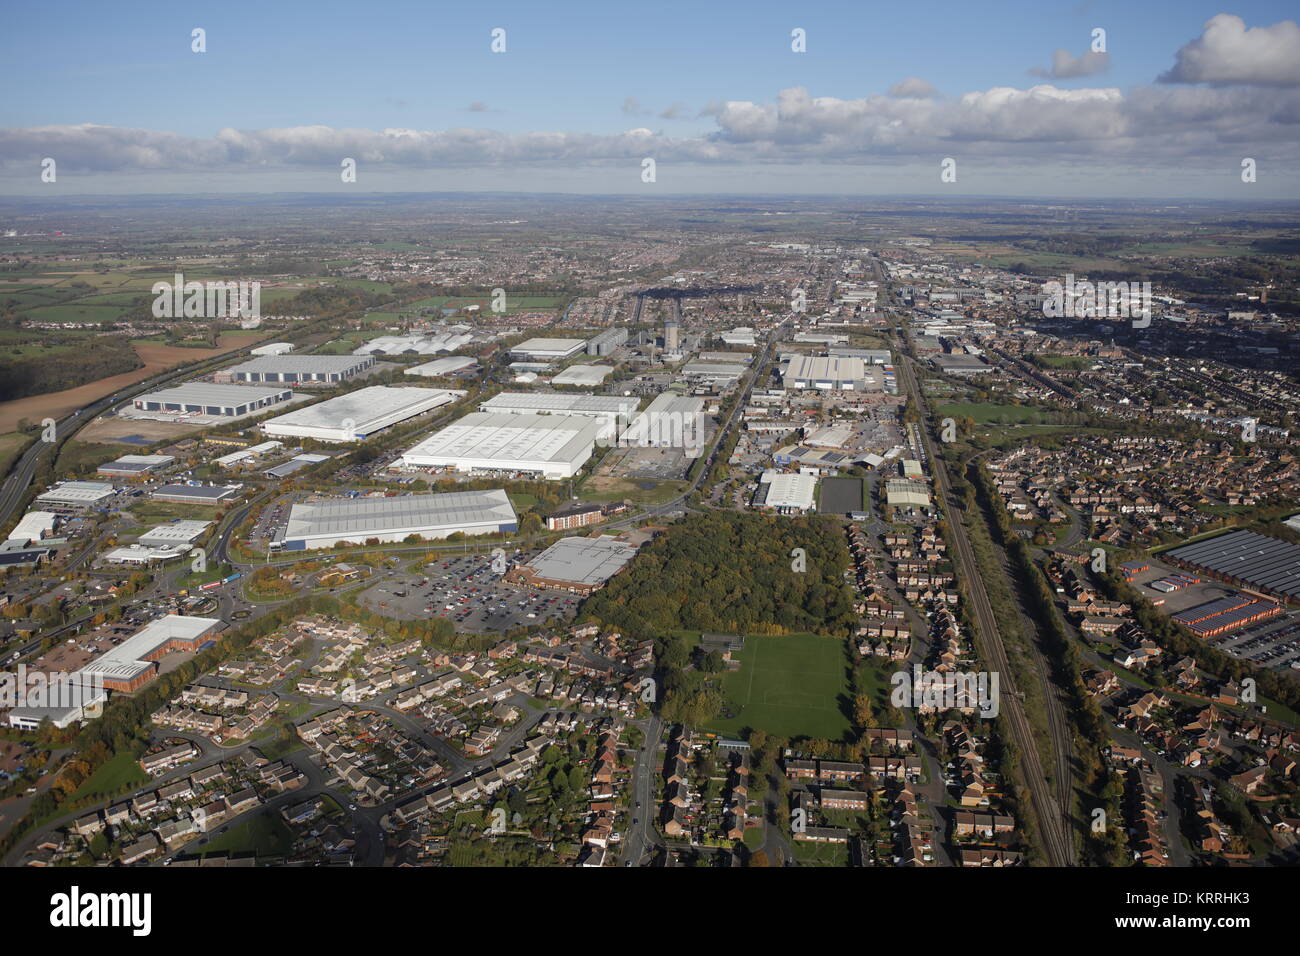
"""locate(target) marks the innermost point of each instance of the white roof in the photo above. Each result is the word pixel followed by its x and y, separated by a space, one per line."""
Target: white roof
pixel 32 525
pixel 357 414
pixel 583 375
pixel 205 393
pixel 586 561
pixel 790 490
pixel 418 343
pixel 560 403
pixel 442 366
pixel 177 532
pixel 543 346
pixel 77 492
pixel 834 368
pixel 127 659
pixel 366 517
pixel 272 348
pixel 521 439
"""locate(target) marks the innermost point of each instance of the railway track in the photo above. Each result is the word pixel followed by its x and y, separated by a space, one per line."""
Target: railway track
pixel 1057 845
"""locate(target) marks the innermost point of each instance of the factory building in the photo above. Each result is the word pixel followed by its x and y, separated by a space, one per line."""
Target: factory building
pixel 611 410
pixel 132 466
pixel 443 366
pixel 586 376
pixel 548 350
pixel 606 342
pixel 324 523
pixel 579 565
pixel 829 373
pixel 202 398
pixel 358 415
pixel 488 443
pixel 301 369
pixel 77 494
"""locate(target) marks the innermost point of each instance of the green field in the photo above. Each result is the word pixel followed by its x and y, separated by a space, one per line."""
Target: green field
pixel 790 686
pixel 12 445
pixel 989 412
pixel 115 775
pixel 265 835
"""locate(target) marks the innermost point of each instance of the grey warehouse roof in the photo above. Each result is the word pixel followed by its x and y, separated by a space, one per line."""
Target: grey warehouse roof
pixel 345 516
pixel 1256 559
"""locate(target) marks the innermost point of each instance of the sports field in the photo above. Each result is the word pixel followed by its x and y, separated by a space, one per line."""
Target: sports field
pixel 790 686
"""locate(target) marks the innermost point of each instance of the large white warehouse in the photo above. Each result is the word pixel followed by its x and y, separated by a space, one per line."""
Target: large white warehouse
pixel 548 349
pixel 549 446
pixel 322 524
pixel 357 415
pixel 610 409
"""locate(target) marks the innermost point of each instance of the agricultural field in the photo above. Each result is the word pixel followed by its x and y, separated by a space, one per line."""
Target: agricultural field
pixel 795 685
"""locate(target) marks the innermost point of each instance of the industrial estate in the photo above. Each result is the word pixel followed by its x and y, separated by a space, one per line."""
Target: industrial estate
pixel 675 530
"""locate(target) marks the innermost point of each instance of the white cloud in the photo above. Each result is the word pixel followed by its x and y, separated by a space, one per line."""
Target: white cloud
pixel 912 88
pixel 1066 66
pixel 1228 53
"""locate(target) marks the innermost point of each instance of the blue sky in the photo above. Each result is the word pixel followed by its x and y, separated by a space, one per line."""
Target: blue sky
pixel 570 69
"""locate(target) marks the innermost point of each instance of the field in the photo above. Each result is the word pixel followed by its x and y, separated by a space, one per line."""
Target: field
pixel 115 775
pixel 791 686
pixel 11 446
pixel 987 412
pixel 156 358
pixel 264 835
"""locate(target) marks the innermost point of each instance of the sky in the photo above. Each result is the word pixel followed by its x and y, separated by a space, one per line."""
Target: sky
pixel 1025 98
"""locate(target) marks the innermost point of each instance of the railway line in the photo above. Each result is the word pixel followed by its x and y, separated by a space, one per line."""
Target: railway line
pixel 1057 843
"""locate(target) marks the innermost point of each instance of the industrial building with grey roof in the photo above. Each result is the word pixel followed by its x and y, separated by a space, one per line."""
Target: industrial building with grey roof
pixel 326 522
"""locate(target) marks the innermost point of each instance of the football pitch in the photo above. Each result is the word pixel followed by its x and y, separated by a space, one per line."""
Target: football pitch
pixel 789 686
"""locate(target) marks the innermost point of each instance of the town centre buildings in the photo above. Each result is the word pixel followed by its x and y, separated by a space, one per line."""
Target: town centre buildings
pixel 326 522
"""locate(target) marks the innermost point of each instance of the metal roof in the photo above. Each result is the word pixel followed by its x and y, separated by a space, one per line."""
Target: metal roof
pixel 356 516
pixel 1256 559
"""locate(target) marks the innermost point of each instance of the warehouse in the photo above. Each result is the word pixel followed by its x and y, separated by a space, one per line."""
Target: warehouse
pixel 301 368
pixel 77 494
pixel 1226 614
pixel 133 465
pixel 487 443
pixel 133 663
pixel 670 421
pixel 358 415
pixel 580 565
pixel 962 365
pixel 786 493
pixel 32 526
pixel 1246 559
pixel 196 494
pixel 548 349
pixel 610 409
pixel 415 344
pixel 719 373
pixel 829 373
pixel 606 342
pixel 324 523
pixel 177 534
pixel 585 375
pixel 443 366
pixel 202 398
pixel 273 348
pixel 294 464
pixel 907 493
pixel 246 454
